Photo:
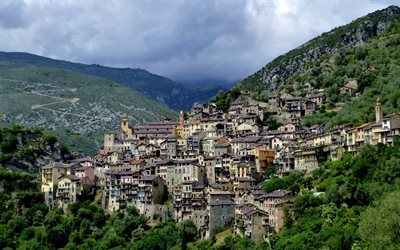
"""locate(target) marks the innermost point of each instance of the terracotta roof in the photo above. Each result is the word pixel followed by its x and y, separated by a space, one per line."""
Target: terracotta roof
pixel 137 161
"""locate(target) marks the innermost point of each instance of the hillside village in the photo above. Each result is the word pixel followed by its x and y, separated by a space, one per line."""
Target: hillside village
pixel 211 165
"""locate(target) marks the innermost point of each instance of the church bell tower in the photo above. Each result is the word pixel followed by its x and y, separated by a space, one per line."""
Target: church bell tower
pixel 125 124
pixel 179 131
pixel 378 110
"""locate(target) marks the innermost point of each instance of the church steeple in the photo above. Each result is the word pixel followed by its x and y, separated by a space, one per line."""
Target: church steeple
pixel 378 110
pixel 125 124
pixel 179 130
pixel 181 119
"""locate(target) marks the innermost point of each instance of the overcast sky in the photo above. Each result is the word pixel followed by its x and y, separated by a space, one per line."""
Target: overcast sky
pixel 184 40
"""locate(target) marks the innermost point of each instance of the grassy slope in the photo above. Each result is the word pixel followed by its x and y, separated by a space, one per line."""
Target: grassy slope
pixel 101 103
pixel 176 95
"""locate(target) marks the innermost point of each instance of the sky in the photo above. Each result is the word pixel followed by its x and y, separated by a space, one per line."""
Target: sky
pixel 185 40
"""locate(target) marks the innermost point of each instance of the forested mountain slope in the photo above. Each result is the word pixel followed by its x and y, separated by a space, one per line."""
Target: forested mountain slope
pixel 278 72
pixel 366 51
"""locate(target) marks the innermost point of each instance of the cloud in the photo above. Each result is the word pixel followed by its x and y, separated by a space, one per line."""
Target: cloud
pixel 184 40
pixel 13 14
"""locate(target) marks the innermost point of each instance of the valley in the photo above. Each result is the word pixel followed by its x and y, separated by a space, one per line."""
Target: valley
pixel 302 154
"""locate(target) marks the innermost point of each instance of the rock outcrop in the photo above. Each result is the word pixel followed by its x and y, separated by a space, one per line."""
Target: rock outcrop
pixel 362 30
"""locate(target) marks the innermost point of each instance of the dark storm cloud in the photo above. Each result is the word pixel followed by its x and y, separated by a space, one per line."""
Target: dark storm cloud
pixel 184 40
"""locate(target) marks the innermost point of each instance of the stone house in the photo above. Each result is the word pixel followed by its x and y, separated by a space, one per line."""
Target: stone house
pixel 221 212
pixel 318 98
pixel 252 222
pixel 274 203
pixel 151 189
pixel 305 159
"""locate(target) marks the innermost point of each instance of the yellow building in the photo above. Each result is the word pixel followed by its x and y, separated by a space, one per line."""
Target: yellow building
pixel 179 130
pixel 125 124
pixel 264 157
pixel 50 178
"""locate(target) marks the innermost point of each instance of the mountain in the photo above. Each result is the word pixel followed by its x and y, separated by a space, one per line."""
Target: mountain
pixel 177 96
pixel 365 52
pixel 278 72
pixel 75 106
pixel 211 83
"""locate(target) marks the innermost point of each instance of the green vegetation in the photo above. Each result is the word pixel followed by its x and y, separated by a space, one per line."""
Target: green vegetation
pixel 176 95
pixel 25 222
pixel 358 207
pixel 375 66
pixel 22 148
pixel 223 99
pixel 270 122
pixel 374 63
pixel 78 108
pixel 353 188
pixel 292 182
pixel 305 58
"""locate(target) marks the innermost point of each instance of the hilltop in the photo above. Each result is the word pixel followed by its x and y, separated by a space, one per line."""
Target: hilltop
pixel 176 95
pixel 277 73
pixel 363 53
pixel 75 106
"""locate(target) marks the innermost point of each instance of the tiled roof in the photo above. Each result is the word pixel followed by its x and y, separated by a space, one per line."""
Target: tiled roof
pixel 278 193
pixel 137 161
pixel 255 211
pixel 221 202
pixel 148 177
pixel 245 179
pixel 163 162
pixel 71 177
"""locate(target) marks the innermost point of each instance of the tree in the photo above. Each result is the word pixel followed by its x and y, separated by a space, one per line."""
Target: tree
pixel 305 201
pixel 379 226
pixel 187 232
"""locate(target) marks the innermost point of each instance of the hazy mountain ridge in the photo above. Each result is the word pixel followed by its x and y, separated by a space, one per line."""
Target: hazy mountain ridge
pixel 175 95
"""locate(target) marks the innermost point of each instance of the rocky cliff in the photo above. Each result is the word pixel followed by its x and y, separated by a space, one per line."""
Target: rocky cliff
pixel 28 150
pixel 278 71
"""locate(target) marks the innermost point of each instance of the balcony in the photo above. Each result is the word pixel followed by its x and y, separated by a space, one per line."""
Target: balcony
pixel 187 195
pixel 177 204
pixel 145 199
pixel 145 188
